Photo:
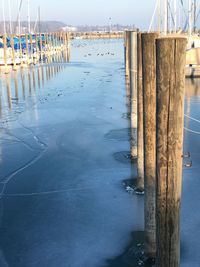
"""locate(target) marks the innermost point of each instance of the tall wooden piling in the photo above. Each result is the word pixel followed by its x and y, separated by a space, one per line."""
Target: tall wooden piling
pixel 36 48
pixel 65 40
pixel 45 52
pixel 47 47
pixel 127 54
pixel 31 48
pixel 170 109
pixel 51 43
pixel 54 42
pixel 149 101
pixel 125 36
pixel 20 49
pixel 140 121
pixel 5 52
pixel 133 91
pixel 13 52
pixel 27 50
pixel 68 47
pixel 64 47
pixel 41 52
pixel 0 105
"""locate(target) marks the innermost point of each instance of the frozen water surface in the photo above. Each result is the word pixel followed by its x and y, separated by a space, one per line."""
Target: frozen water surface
pixel 62 199
pixel 63 131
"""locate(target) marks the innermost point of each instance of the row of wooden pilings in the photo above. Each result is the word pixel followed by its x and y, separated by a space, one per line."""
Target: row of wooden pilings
pixel 155 70
pixel 34 48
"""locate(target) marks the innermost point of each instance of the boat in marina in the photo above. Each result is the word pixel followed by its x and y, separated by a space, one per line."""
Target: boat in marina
pixel 180 17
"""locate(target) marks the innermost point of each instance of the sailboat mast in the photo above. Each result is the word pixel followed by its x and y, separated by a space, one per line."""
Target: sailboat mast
pixel 39 19
pixel 19 19
pixel 4 21
pixel 190 17
pixel 29 18
pixel 159 16
pixel 10 17
pixel 194 15
pixel 165 16
pixel 175 15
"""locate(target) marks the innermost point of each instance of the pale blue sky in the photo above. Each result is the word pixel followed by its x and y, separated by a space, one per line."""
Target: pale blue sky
pixel 89 12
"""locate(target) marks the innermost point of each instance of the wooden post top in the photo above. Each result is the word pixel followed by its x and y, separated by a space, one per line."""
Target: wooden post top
pixel 150 35
pixel 164 38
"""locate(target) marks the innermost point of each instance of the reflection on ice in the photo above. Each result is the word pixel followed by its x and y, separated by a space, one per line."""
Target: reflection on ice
pixel 16 86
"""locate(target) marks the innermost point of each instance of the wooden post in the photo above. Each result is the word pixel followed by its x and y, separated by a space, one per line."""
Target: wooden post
pixel 127 56
pixel 45 46
pixel 5 52
pixel 68 47
pixel 41 47
pixel 13 52
pixel 51 45
pixel 27 50
pixel 54 43
pixel 171 53
pixel 64 47
pixel 20 49
pixel 56 46
pixel 0 105
pixel 59 47
pixel 60 38
pixel 48 53
pixel 133 91
pixel 149 100
pixel 31 47
pixel 36 48
pixel 140 126
pixel 125 49
pixel 65 40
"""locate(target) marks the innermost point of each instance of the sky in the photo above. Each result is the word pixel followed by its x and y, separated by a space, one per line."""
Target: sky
pixel 82 12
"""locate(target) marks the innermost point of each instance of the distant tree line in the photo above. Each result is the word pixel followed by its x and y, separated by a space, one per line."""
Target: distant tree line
pixel 53 26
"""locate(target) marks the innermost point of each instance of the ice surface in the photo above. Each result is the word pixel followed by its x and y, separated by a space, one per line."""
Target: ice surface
pixel 63 202
pixel 64 130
